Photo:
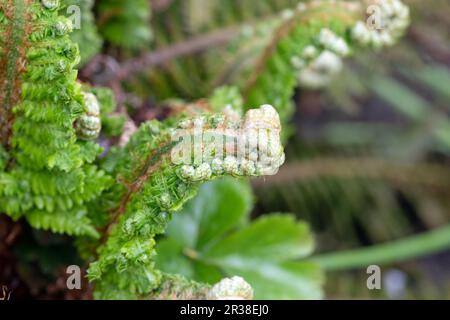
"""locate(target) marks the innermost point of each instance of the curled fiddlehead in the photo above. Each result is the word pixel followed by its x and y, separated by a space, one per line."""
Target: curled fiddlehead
pixel 88 125
pixel 157 181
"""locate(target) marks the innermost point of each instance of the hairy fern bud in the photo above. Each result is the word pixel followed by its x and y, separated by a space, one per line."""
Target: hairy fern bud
pixel 50 4
pixel 321 71
pixel 88 125
pixel 235 288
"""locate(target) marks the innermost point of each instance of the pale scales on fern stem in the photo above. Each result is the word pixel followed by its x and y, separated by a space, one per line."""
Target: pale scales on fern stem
pixel 317 70
pixel 254 150
pixel 235 288
pixel 388 22
pixel 289 60
pixel 50 4
pixel 178 288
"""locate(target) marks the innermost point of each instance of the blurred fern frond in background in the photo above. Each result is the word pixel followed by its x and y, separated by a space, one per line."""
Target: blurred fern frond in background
pixel 370 160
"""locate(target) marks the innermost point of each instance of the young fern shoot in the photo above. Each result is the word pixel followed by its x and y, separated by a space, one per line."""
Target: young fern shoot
pixel 166 172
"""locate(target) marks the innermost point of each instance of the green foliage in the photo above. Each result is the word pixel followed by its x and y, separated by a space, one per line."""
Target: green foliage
pixel 435 77
pixel 227 96
pixel 361 173
pixel 213 236
pixel 112 122
pixel 86 36
pixel 155 187
pixel 399 250
pixel 196 76
pixel 119 206
pixel 267 60
pixel 414 107
pixel 49 185
pixel 278 72
pixel 125 23
pixel 3 158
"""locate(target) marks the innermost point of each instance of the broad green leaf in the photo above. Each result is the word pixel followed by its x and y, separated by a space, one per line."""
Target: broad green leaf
pixel 219 207
pixel 173 258
pixel 288 280
pixel 170 258
pixel 207 273
pixel 276 237
pixel 208 241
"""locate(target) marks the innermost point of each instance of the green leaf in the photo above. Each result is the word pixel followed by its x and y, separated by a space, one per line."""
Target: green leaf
pixel 207 234
pixel 276 237
pixel 170 258
pixel 288 280
pixel 219 207
pixel 207 273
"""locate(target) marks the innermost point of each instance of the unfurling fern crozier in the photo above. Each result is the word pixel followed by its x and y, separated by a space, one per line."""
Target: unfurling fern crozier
pixel 157 183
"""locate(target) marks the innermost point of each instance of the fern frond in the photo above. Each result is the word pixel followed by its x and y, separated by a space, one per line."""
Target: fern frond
pixel 196 76
pixel 308 47
pixel 50 179
pixel 125 23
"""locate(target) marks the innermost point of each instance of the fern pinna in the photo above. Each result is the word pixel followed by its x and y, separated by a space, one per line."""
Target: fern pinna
pixel 85 32
pixel 51 173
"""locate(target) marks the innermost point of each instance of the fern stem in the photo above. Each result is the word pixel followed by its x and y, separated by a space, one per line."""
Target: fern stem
pixel 10 83
pixel 388 253
pixel 191 46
